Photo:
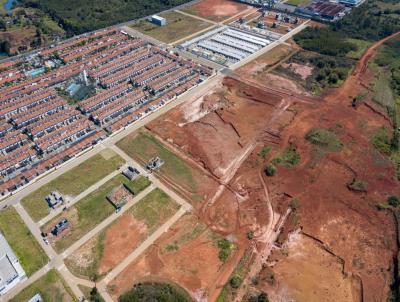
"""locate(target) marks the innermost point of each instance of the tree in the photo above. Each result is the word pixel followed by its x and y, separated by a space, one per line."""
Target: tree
pixel 270 170
pixel 393 201
pixel 262 298
pixel 3 25
pixel 95 295
pixel 235 281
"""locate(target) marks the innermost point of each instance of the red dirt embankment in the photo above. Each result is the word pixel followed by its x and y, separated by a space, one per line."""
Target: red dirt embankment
pixel 346 222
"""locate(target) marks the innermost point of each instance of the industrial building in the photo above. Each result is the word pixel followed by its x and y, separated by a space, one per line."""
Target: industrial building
pixel 11 271
pixel 323 10
pixel 352 2
pixel 157 20
pixel 226 45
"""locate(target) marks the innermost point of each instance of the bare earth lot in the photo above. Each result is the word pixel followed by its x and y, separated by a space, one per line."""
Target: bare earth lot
pixel 104 251
pixel 216 10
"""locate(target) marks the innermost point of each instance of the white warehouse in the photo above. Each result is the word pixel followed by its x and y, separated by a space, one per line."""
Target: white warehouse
pixel 11 271
pixel 226 45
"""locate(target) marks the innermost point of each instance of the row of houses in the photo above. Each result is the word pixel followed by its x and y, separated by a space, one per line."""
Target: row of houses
pixel 39 129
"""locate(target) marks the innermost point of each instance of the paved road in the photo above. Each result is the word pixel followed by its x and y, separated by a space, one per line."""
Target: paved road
pixel 187 206
pixel 195 92
pixel 56 261
pixel 20 286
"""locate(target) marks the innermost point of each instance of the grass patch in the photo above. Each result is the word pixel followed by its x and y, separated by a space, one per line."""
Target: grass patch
pixel 29 252
pixel 138 184
pixel 324 139
pixel 72 182
pixel 288 158
pixel 154 207
pixel 51 287
pixel 361 47
pixel 357 185
pixel 229 290
pixel 86 213
pixel 381 140
pixel 178 27
pixel 146 146
pixel 264 151
pixel 225 249
pixel 298 2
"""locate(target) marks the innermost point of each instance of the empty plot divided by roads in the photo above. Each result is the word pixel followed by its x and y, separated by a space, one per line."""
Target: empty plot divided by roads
pixel 73 182
pixel 106 250
pixel 178 27
pixel 87 213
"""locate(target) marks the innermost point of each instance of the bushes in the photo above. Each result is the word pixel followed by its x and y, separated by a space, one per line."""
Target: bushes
pixel 324 139
pixel 225 248
pixel 154 292
pixel 393 201
pixel 270 170
pixel 357 185
pixel 235 281
pixel 324 41
pixel 288 158
pixel 381 140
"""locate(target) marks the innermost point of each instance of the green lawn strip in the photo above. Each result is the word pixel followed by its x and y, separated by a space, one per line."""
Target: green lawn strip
pixel 178 26
pixel 154 209
pixel 361 45
pixel 87 213
pixel 51 288
pixel 146 146
pixel 298 2
pixel 71 183
pixel 29 252
pixel 138 184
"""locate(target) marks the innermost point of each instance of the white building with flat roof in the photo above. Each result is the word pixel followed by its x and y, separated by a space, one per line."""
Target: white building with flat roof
pixel 11 271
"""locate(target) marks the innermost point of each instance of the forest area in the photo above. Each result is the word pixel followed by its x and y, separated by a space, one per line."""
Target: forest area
pixel 77 16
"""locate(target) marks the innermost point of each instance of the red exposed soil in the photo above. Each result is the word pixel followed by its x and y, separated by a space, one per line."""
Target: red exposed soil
pixel 120 240
pixel 194 265
pixel 347 222
pixel 223 134
pixel 218 8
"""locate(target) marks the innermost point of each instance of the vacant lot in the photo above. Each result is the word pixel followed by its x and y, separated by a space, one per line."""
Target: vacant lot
pixel 88 212
pixel 30 254
pixel 51 287
pixel 187 255
pixel 110 247
pixel 259 67
pixel 145 146
pixel 73 182
pixel 178 26
pixel 215 10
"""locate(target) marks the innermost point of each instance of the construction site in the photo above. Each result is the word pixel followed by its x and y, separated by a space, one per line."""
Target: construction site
pixel 226 167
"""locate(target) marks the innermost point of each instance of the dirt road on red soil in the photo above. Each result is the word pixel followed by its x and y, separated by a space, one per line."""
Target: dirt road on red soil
pixel 343 220
pixel 348 89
